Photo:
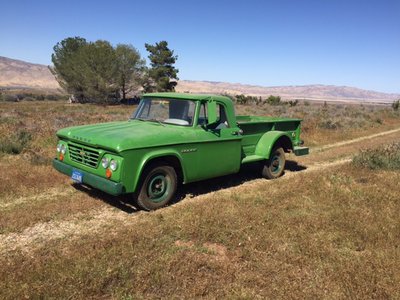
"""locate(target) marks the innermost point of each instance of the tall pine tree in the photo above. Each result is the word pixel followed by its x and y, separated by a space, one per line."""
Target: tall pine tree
pixel 162 75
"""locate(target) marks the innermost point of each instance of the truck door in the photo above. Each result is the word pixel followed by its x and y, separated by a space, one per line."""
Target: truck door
pixel 219 148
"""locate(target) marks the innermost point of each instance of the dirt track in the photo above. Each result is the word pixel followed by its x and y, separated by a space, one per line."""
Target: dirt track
pixel 91 223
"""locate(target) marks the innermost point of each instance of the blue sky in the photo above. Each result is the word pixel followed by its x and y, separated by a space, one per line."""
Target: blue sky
pixel 270 43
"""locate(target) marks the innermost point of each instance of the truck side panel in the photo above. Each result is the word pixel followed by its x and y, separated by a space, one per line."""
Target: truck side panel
pixel 198 160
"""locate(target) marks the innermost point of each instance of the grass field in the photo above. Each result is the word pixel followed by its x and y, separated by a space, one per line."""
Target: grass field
pixel 329 228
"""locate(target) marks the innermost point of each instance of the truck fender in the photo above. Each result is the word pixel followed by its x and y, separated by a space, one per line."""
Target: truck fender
pixel 269 139
pixel 158 154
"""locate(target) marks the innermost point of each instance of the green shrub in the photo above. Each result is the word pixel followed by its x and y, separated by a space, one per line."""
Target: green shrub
pixel 386 157
pixel 52 97
pixel 396 105
pixel 16 143
pixel 10 98
pixel 274 100
pixel 243 99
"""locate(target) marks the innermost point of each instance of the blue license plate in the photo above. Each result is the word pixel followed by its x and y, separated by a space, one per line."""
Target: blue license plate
pixel 77 176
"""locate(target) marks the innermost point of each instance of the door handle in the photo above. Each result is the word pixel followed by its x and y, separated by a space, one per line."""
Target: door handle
pixel 238 132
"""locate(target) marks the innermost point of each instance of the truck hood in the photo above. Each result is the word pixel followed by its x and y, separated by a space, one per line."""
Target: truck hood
pixel 133 134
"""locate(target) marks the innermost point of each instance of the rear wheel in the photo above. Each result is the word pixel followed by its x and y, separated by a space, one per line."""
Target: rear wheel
pixel 158 187
pixel 275 165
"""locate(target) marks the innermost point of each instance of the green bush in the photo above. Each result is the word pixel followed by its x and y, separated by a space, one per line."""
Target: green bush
pixel 274 100
pixel 243 99
pixel 16 143
pixel 40 97
pixel 386 158
pixel 10 98
pixel 52 97
pixel 396 105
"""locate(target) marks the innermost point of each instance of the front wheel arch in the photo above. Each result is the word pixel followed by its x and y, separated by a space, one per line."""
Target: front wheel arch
pixel 170 160
pixel 158 158
pixel 157 186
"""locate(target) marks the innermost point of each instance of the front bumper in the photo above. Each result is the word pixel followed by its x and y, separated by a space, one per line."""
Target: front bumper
pixel 105 185
pixel 298 151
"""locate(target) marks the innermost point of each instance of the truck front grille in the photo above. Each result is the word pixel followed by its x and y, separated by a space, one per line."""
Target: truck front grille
pixel 83 155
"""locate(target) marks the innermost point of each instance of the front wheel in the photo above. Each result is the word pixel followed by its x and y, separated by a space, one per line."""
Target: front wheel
pixel 275 165
pixel 158 188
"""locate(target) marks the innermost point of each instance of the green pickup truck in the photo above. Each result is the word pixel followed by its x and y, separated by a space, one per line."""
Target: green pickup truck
pixel 171 139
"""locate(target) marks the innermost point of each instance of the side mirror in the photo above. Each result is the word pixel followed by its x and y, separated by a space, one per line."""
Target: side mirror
pixel 212 112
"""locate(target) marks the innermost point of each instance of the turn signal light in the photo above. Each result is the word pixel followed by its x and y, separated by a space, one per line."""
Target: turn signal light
pixel 108 173
pixel 61 156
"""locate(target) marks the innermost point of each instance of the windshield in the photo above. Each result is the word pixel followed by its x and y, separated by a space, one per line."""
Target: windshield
pixel 170 111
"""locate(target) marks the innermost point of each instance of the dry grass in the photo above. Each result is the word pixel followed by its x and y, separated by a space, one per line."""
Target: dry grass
pixel 316 235
pixel 28 177
pixel 331 235
pixel 41 120
pixel 45 206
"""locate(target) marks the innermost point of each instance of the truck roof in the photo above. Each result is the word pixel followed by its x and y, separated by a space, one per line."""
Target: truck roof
pixel 187 96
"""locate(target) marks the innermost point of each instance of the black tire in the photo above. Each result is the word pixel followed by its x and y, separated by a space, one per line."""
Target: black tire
pixel 158 187
pixel 275 165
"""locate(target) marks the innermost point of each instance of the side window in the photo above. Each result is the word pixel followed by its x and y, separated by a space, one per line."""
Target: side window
pixel 222 119
pixel 203 115
pixel 222 115
pixel 191 109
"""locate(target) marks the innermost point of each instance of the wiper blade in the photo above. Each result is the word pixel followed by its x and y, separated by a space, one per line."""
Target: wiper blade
pixel 158 121
pixel 150 120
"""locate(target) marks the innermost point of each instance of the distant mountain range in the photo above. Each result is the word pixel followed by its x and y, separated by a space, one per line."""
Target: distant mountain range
pixel 309 92
pixel 19 74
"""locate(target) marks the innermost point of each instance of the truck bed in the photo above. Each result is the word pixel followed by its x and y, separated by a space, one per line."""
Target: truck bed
pixel 255 126
pixel 260 119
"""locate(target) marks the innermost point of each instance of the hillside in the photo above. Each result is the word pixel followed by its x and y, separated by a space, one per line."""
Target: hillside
pixel 20 74
pixel 310 92
pixel 17 73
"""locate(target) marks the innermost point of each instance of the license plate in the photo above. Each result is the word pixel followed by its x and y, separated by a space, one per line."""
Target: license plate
pixel 77 176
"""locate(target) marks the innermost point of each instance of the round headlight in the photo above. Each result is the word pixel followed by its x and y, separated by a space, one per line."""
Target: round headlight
pixel 63 149
pixel 113 165
pixel 58 147
pixel 104 162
